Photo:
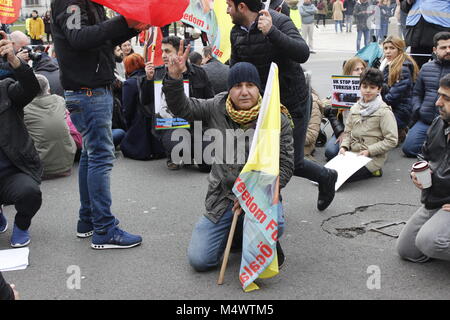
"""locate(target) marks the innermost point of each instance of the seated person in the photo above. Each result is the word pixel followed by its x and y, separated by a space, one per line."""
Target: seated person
pixel 427 233
pixel 353 67
pixel 313 130
pixel 199 87
pixel 45 119
pixel 236 109
pixel 425 94
pixel 371 128
pixel 138 142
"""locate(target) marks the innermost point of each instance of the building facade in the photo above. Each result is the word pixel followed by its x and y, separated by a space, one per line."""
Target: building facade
pixel 29 5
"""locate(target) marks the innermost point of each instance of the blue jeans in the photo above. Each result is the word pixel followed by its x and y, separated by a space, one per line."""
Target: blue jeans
pixel 118 135
pixel 359 35
pixel 415 139
pixel 92 116
pixel 336 23
pixel 382 33
pixel 348 22
pixel 209 239
pixel 331 148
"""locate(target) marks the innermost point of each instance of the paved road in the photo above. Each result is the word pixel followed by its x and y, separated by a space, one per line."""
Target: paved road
pixel 328 253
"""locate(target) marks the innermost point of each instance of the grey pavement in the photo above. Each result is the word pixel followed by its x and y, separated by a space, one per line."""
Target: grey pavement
pixel 328 253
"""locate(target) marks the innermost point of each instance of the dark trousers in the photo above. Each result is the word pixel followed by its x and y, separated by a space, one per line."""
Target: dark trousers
pixel 303 167
pixel 35 42
pixel 321 17
pixel 361 174
pixel 24 192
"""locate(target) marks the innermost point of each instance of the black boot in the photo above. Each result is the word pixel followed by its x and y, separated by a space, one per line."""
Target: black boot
pixel 326 189
pixel 280 256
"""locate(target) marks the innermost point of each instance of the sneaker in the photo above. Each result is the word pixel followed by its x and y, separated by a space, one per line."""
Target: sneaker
pixel 115 238
pixel 378 173
pixel 20 238
pixel 327 190
pixel 173 166
pixel 86 229
pixel 3 222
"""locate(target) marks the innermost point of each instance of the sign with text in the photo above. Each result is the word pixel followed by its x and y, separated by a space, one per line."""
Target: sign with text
pixel 164 118
pixel 9 10
pixel 345 91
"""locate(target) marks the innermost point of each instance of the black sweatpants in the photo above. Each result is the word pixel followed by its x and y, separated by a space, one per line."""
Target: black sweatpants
pixel 24 192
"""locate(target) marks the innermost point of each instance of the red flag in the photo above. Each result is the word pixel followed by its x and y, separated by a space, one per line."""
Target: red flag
pixel 155 46
pixel 153 12
pixel 10 11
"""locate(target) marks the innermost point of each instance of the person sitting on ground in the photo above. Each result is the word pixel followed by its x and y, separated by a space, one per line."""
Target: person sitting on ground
pixel 139 143
pixel 236 109
pixel 425 94
pixel 47 67
pixel 199 87
pixel 217 71
pixel 195 58
pixel 45 119
pixel 426 235
pixel 20 167
pixel 400 73
pixel 313 130
pixel 370 129
pixel 353 67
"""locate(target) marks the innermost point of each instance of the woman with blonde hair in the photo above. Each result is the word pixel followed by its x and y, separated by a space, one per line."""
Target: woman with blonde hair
pixel 353 67
pixel 400 73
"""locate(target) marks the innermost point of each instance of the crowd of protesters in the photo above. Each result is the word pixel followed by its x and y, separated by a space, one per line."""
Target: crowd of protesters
pixel 50 110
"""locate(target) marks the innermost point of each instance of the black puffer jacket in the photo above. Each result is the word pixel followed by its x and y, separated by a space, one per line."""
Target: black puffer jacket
pixel 425 90
pixel 15 141
pixel 336 120
pixel 284 46
pixel 436 150
pixel 399 95
pixel 85 51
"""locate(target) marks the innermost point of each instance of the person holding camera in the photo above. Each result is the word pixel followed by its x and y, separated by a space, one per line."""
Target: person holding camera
pixel 20 167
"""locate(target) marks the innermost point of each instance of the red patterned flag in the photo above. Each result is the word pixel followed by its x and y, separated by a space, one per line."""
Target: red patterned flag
pixel 153 12
pixel 10 10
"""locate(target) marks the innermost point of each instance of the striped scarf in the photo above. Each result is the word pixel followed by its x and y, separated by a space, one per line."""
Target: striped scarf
pixel 243 117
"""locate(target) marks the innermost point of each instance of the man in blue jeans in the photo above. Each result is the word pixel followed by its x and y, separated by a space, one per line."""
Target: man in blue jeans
pixel 361 13
pixel 425 94
pixel 84 43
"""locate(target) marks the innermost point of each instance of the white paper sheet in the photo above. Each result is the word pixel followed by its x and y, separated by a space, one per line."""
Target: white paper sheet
pixel 346 165
pixel 14 259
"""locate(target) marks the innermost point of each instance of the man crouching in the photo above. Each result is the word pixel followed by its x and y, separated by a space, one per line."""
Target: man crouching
pixel 237 111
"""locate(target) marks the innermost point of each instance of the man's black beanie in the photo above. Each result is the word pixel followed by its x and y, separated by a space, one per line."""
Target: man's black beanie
pixel 243 72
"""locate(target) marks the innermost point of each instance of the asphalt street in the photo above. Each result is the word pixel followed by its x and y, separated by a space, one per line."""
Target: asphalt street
pixel 328 253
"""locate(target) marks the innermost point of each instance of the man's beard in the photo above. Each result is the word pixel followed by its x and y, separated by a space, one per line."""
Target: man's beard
pixel 119 59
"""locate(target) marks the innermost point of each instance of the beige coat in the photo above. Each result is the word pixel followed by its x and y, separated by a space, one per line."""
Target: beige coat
pixel 313 126
pixel 338 10
pixel 376 133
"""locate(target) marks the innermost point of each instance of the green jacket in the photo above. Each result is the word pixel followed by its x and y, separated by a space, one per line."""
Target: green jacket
pixel 212 113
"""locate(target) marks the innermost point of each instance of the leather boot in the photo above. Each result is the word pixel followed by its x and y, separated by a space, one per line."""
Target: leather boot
pixel 326 189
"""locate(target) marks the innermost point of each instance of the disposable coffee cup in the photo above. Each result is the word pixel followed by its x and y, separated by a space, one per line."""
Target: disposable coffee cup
pixel 423 173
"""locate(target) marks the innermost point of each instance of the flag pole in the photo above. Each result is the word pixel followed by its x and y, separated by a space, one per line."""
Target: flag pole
pixel 155 38
pixel 228 247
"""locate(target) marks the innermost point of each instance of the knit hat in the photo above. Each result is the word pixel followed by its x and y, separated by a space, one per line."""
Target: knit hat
pixel 243 72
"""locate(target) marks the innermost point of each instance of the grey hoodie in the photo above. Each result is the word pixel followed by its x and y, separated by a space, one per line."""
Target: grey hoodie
pixel 307 11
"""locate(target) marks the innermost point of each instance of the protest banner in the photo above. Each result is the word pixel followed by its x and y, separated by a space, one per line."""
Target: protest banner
pixel 257 189
pixel 210 16
pixel 9 11
pixel 345 91
pixel 153 12
pixel 163 117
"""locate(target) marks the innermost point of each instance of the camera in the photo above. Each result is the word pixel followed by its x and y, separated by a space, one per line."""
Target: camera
pixel 34 56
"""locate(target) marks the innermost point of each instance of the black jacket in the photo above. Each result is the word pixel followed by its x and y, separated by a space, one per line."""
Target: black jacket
pixel 15 141
pixel 85 52
pixel 436 150
pixel 425 90
pixel 47 67
pixel 336 120
pixel 284 46
pixel 199 85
